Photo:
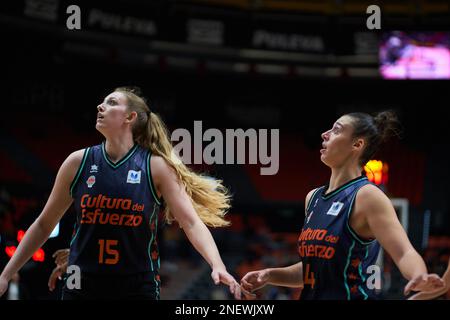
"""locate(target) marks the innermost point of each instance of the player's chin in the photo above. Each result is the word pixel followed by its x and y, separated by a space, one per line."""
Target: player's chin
pixel 101 127
pixel 324 159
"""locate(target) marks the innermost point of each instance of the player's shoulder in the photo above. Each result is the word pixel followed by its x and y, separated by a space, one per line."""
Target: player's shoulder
pixel 157 161
pixel 159 166
pixel 71 165
pixel 370 195
pixel 309 196
pixel 311 192
pixel 370 191
pixel 74 160
pixel 161 170
pixel 78 154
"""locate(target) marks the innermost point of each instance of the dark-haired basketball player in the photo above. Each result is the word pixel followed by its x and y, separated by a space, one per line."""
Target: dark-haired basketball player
pixel 346 222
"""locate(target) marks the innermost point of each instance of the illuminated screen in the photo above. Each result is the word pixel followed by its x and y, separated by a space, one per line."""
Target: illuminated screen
pixel 415 55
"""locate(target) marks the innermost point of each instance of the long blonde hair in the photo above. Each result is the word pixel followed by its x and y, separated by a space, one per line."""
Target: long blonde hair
pixel 210 198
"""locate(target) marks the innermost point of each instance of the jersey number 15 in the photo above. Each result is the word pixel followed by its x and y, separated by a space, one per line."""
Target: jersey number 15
pixel 112 255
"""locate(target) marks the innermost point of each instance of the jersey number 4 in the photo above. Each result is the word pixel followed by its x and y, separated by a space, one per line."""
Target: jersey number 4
pixel 112 255
pixel 309 276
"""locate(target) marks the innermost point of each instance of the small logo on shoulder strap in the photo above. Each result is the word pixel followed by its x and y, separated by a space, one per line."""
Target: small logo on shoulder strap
pixel 335 208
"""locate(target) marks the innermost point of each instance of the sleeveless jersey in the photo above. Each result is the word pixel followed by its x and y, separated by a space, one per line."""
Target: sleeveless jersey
pixel 336 262
pixel 117 214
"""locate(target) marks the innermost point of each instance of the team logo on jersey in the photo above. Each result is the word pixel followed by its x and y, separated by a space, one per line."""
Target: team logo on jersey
pixel 94 169
pixel 90 181
pixel 134 176
pixel 335 208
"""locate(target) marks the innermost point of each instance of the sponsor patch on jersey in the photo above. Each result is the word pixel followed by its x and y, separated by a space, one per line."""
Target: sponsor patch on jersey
pixel 335 208
pixel 134 176
pixel 90 181
pixel 94 169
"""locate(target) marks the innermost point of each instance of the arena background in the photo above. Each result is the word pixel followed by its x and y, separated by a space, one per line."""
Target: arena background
pixel 288 65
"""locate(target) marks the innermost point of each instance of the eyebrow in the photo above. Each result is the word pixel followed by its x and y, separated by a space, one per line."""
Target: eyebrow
pixel 339 124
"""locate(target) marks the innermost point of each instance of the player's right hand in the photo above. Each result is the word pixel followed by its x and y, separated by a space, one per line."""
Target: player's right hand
pixel 253 281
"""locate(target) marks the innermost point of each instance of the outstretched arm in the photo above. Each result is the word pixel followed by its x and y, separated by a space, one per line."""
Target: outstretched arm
pixel 57 204
pixel 291 276
pixel 183 211
pixel 385 227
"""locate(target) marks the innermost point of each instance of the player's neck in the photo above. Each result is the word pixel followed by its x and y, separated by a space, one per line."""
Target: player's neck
pixel 118 147
pixel 340 176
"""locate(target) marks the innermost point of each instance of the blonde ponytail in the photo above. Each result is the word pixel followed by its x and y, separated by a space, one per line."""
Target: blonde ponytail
pixel 210 198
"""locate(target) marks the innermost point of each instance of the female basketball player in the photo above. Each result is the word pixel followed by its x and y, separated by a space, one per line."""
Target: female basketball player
pixel 346 221
pixel 117 188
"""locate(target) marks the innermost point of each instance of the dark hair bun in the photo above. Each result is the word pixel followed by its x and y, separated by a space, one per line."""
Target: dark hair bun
pixel 388 124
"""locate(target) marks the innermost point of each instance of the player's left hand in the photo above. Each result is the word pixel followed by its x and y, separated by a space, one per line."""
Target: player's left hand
pixel 61 256
pixel 56 275
pixel 429 295
pixel 424 283
pixel 221 275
